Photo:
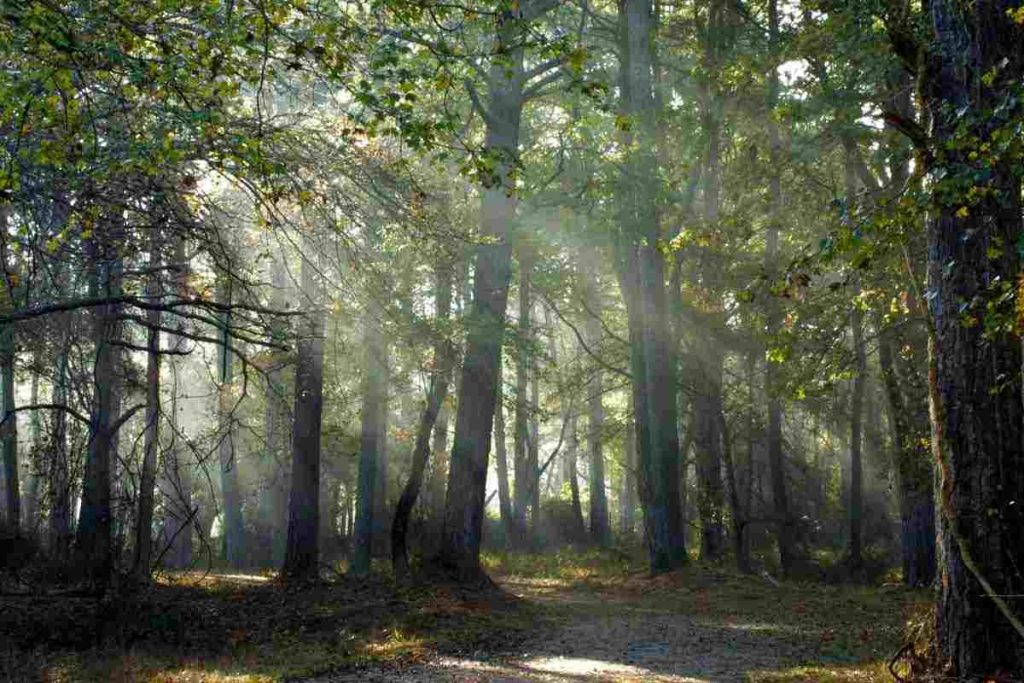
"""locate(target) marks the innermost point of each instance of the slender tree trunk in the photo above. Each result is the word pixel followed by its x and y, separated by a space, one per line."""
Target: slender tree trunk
pixel 151 445
pixel 501 456
pixel 856 441
pixel 785 528
pixel 302 552
pixel 178 522
pixel 371 446
pixel 907 395
pixel 641 273
pixel 58 467
pixel 627 503
pixel 521 464
pixel 9 430
pixel 231 498
pixel 33 485
pixel 972 62
pixel 600 530
pixel 739 514
pixel 444 355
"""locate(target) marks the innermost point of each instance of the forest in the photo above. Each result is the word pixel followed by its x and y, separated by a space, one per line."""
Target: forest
pixel 511 340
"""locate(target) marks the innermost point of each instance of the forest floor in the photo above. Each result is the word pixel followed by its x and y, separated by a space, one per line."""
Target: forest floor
pixel 559 618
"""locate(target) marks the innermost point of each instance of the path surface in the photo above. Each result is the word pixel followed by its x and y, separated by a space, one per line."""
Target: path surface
pixel 610 635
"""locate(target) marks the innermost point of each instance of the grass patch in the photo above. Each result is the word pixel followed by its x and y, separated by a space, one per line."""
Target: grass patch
pixel 247 629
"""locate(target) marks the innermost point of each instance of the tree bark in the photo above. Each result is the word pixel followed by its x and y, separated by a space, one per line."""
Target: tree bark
pixel 151 444
pixel 302 551
pixel 93 538
pixel 233 526
pixel 522 485
pixel 600 529
pixel 501 457
pixel 642 278
pixel 972 64
pixel 371 446
pixel 856 441
pixel 444 355
pixel 467 474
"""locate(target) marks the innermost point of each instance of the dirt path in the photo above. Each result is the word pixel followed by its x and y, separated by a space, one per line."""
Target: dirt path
pixel 643 632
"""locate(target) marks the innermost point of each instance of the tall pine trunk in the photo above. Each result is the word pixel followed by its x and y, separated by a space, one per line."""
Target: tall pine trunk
pixel 233 524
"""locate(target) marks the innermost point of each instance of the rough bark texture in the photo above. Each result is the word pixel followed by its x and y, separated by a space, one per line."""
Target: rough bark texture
pixel 93 538
pixel 274 502
pixel 642 278
pixel 972 66
pixel 302 552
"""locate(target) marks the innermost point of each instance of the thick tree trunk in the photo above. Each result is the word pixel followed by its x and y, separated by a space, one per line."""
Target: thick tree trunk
pixel 151 444
pixel 278 427
pixel 973 62
pixel 93 539
pixel 302 551
pixel 371 446
pixel 642 277
pixel 444 355
pixel 233 524
pixel 467 475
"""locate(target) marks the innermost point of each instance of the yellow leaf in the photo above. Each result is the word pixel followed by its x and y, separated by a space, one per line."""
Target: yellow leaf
pixel 962 212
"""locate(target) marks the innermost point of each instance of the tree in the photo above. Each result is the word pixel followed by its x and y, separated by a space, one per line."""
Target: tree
pixel 302 552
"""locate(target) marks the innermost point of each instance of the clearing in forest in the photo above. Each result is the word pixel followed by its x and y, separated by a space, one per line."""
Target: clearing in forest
pixel 556 618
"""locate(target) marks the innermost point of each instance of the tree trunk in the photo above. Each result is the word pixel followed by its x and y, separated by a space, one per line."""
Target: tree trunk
pixel 151 445
pixel 302 551
pixel 641 273
pixel 739 514
pixel 521 485
pixel 58 468
pixel 93 539
pixel 177 471
pixel 233 524
pixel 444 355
pixel 856 441
pixel 371 438
pixel 627 502
pixel 278 427
pixel 9 430
pixel 501 456
pixel 600 530
pixel 907 395
pixel 33 485
pixel 973 62
pixel 785 528
pixel 467 475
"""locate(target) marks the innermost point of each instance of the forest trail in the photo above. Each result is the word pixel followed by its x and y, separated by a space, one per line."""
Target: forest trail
pixel 690 627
